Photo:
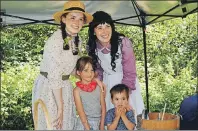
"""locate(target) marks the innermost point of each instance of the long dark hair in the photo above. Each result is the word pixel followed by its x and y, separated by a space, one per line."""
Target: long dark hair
pixel 101 17
pixel 64 35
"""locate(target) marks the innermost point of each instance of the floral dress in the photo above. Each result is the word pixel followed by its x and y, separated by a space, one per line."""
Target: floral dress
pixel 56 62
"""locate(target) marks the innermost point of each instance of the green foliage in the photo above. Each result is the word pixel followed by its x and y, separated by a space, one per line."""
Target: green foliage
pixel 164 88
pixel 172 65
pixel 174 40
pixel 25 43
pixel 16 90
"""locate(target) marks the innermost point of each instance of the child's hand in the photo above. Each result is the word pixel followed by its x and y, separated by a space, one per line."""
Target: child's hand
pixel 124 110
pixel 128 107
pixel 102 127
pixel 118 111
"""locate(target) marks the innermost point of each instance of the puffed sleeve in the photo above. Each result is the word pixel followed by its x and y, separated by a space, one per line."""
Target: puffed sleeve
pixel 52 53
pixel 128 63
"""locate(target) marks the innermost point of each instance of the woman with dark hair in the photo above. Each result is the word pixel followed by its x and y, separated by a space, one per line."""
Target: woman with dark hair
pixel 61 51
pixel 114 59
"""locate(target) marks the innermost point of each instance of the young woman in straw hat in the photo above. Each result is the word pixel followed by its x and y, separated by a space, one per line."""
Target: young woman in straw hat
pixel 60 55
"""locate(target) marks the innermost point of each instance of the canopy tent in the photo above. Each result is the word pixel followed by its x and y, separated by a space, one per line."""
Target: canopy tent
pixel 128 12
pixel 137 13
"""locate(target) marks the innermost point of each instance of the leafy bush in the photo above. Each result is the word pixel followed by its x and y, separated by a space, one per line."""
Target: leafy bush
pixel 16 90
pixel 164 88
pixel 24 43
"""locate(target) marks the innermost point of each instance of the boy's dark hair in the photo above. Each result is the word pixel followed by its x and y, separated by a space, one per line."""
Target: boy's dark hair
pixel 82 61
pixel 118 89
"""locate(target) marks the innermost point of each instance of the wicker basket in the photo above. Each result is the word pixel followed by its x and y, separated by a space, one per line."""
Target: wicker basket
pixel 170 122
pixel 47 118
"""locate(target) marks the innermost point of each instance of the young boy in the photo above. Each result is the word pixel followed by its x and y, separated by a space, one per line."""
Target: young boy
pixel 119 118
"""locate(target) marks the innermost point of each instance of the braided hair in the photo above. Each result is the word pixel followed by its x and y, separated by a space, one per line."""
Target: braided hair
pixel 64 35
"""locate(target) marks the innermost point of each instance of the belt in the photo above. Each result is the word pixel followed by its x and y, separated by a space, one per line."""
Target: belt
pixel 64 77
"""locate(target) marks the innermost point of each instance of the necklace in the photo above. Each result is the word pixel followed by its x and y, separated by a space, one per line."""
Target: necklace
pixel 87 87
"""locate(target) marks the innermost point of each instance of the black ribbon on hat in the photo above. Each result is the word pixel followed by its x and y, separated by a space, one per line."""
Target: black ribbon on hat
pixel 75 8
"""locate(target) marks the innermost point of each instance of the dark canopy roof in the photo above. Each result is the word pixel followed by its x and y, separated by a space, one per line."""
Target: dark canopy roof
pixel 126 12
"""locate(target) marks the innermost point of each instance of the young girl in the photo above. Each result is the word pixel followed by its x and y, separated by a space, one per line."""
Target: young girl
pixel 89 100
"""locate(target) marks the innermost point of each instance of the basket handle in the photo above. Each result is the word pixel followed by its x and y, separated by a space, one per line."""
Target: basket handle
pixel 44 108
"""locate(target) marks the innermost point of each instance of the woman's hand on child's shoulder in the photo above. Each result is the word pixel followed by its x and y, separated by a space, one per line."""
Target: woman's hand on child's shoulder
pixel 101 85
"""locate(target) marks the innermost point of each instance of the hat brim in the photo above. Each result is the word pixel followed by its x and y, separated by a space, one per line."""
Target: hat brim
pixel 57 16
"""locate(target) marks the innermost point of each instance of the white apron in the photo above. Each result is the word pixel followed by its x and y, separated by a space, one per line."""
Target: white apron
pixel 111 78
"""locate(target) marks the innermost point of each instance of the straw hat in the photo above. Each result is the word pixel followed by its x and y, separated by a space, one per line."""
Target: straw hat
pixel 72 6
